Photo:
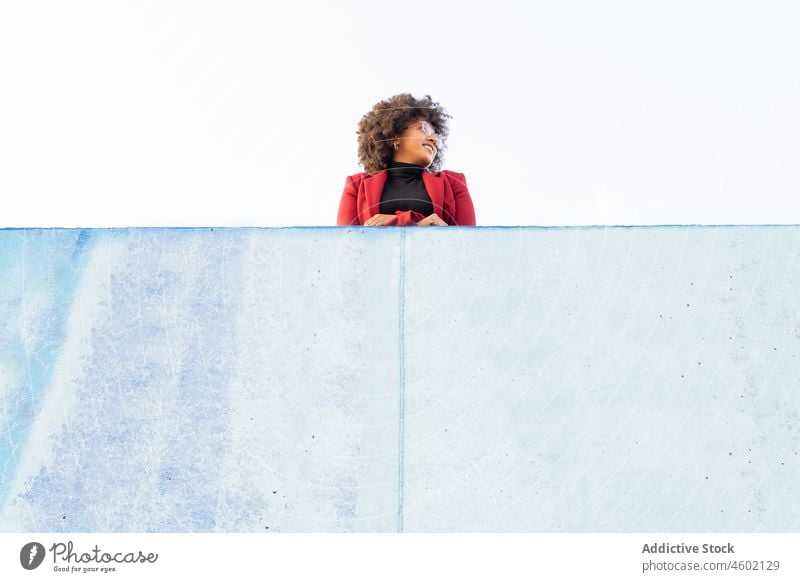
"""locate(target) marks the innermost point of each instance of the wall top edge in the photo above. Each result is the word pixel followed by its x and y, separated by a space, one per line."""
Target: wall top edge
pixel 380 229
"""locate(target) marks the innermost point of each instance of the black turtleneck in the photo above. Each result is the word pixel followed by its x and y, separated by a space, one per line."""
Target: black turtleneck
pixel 404 190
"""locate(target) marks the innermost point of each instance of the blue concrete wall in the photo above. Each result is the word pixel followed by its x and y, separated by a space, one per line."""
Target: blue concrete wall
pixel 453 379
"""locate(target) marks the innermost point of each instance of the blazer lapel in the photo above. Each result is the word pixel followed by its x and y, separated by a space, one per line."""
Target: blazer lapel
pixel 434 184
pixel 373 188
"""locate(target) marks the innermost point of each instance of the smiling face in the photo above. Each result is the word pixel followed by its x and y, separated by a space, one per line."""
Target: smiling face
pixel 417 144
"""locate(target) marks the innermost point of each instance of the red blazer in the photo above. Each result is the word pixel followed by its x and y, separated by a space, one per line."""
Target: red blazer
pixel 448 191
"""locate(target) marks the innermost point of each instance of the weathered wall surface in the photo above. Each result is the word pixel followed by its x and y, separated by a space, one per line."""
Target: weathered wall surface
pixel 454 379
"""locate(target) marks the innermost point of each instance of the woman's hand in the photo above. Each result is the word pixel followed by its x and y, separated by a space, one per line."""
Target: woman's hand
pixel 379 219
pixel 432 220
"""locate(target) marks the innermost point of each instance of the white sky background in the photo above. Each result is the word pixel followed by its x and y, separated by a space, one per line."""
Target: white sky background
pixel 566 112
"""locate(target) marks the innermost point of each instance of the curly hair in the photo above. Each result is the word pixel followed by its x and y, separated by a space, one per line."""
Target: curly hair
pixel 387 119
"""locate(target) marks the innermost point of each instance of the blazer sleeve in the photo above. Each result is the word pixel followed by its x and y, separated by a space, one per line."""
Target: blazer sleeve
pixel 407 218
pixel 348 209
pixel 465 211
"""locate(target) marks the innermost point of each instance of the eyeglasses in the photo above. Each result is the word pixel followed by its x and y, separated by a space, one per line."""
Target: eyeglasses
pixel 426 128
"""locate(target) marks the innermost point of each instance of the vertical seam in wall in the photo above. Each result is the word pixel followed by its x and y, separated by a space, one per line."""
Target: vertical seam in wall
pixel 402 395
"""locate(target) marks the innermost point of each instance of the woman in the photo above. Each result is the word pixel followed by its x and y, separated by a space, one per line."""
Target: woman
pixel 400 144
